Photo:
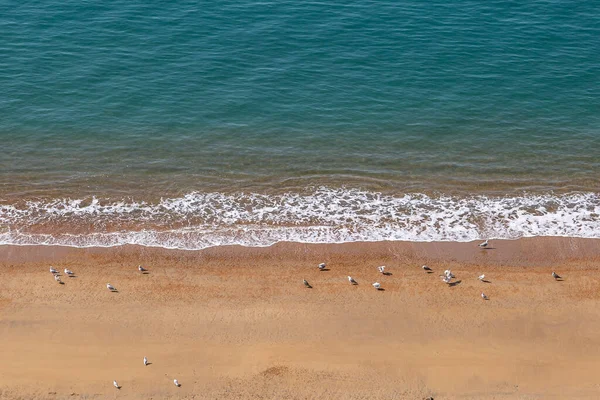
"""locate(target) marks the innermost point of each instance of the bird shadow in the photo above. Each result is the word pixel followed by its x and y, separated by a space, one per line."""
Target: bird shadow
pixel 145 273
pixel 387 273
pixel 559 279
pixel 308 287
pixel 486 299
pixel 324 269
pixel 148 364
pixel 72 276
pixel 381 289
pixel 486 281
pixel 61 283
pixel 429 272
pixel 452 284
pixel 114 291
pixel 488 248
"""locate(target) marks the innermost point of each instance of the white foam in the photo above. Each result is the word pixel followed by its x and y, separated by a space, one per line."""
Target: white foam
pixel 200 220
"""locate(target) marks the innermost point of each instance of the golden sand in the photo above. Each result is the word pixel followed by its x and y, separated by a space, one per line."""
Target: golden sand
pixel 237 323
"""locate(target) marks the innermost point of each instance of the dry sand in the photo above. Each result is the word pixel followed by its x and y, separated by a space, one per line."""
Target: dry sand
pixel 237 323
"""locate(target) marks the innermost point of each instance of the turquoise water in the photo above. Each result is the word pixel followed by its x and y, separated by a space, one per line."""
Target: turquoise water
pixel 185 125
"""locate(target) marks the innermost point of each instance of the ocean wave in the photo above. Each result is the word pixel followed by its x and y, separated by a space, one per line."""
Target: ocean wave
pixel 324 215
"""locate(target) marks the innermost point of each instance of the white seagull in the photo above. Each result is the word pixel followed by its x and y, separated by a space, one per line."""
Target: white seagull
pixel 176 382
pixel 306 283
pixel 449 274
pixel 484 244
pixel 141 269
pixel 381 269
pixel 110 287
pixel 426 268
pixel 483 296
pixel 481 277
pixel 145 361
pixel 115 384
pixel 53 271
pixel 377 285
pixel 352 281
pixel 69 272
pixel 322 266
pixel 555 275
pixel 57 278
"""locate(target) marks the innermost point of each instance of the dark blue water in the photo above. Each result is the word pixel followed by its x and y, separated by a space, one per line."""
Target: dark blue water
pixel 130 102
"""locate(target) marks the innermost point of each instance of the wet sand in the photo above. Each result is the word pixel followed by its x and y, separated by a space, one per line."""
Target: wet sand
pixel 237 323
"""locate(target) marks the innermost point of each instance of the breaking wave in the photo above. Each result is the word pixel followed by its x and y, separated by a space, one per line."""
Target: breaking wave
pixel 200 220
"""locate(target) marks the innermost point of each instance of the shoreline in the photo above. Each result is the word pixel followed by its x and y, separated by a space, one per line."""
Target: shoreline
pixel 234 322
pixel 515 252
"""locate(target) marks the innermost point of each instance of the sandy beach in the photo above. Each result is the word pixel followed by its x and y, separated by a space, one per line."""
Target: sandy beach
pixel 237 323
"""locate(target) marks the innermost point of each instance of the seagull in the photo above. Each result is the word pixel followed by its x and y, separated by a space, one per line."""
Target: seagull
pixel 484 244
pixel 69 272
pixel 352 281
pixel 306 283
pixel 426 268
pixel 115 384
pixel 322 266
pixel 110 287
pixel 377 285
pixel 145 361
pixel 176 382
pixel 57 278
pixel 53 271
pixel 449 274
pixel 141 269
pixel 381 269
pixel 481 277
pixel 446 279
pixel 555 275
pixel 483 296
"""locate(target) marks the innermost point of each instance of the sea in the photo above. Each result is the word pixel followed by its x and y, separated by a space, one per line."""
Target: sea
pixel 185 124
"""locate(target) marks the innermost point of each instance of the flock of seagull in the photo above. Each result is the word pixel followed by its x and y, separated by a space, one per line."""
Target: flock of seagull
pixel 110 287
pixel 54 272
pixel 446 277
